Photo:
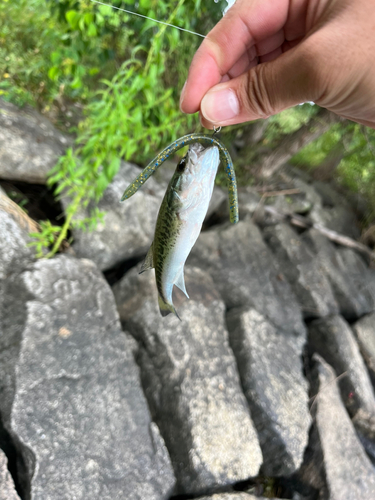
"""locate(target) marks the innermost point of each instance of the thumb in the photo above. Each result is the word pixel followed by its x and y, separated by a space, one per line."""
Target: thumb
pixel 266 89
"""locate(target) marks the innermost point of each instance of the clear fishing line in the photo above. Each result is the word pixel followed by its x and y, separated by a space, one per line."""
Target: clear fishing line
pixel 150 18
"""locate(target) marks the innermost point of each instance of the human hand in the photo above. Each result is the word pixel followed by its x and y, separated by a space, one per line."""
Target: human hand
pixel 268 55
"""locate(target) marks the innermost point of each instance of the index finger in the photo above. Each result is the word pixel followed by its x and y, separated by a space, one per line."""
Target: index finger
pixel 247 23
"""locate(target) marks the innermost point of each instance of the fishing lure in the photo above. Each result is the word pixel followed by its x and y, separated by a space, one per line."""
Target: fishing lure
pixel 206 141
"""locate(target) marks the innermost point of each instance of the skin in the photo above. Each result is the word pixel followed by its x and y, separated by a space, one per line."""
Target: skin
pixel 267 55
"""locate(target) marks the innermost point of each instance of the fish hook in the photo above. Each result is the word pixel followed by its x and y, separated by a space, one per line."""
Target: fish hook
pixel 205 140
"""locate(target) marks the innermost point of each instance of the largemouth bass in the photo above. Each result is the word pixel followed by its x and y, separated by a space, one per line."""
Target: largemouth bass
pixel 180 220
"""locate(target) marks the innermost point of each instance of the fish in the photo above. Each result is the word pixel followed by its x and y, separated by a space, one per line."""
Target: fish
pixel 180 220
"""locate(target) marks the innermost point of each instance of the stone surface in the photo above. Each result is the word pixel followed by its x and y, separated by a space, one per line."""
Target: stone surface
pixel 15 226
pixel 245 273
pixel 348 471
pixel 78 408
pixel 270 365
pixel 234 496
pixel 29 144
pixel 364 330
pixel 7 489
pixel 302 270
pixel 333 339
pixel 15 256
pixel 352 282
pixel 127 229
pixel 191 381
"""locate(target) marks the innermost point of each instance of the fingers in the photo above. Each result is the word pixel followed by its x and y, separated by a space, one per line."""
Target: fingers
pixel 266 89
pixel 247 23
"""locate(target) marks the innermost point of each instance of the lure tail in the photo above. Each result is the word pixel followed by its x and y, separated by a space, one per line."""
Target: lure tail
pixel 166 308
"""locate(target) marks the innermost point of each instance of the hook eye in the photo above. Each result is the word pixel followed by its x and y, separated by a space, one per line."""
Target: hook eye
pixel 217 130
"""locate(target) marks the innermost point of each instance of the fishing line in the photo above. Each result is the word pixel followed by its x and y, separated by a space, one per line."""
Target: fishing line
pixel 150 18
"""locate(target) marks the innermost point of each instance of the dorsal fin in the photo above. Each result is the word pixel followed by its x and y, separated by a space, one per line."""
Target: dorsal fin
pixel 148 263
pixel 180 282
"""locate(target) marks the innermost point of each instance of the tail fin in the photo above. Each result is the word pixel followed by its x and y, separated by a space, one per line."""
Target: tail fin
pixel 166 308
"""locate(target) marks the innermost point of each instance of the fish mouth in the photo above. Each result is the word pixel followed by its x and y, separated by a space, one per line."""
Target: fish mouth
pixel 201 159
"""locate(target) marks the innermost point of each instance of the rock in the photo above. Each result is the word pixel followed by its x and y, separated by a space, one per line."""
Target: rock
pixel 78 407
pixel 348 471
pixel 351 280
pixel 301 268
pixel 333 339
pixel 245 273
pixel 7 489
pixel 15 256
pixel 191 381
pixel 127 229
pixel 270 364
pixel 15 226
pixel 29 144
pixel 364 330
pixel 234 496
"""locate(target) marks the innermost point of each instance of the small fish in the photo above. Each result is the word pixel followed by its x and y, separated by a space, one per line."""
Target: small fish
pixel 180 220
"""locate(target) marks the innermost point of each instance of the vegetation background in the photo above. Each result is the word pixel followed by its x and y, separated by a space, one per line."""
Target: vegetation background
pixel 113 80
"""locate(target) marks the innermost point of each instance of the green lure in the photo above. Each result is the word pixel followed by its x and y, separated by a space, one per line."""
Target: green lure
pixel 205 140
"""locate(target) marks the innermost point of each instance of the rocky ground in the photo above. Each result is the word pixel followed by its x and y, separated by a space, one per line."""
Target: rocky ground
pixel 265 389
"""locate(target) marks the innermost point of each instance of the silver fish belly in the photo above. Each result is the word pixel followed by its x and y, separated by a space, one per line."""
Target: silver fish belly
pixel 180 220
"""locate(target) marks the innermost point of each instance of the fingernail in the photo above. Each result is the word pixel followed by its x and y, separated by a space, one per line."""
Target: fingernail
pixel 220 105
pixel 182 94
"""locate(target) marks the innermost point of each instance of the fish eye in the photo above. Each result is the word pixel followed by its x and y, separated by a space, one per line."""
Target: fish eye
pixel 181 166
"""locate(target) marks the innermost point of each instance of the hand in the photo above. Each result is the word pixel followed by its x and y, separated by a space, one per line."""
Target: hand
pixel 268 55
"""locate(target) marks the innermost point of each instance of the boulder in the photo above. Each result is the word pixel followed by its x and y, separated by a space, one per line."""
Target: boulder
pixel 7 489
pixel 352 282
pixel 349 473
pixel 74 399
pixel 245 273
pixel 269 360
pixel 234 496
pixel 302 270
pixel 190 378
pixel 333 339
pixel 364 330
pixel 127 229
pixel 29 144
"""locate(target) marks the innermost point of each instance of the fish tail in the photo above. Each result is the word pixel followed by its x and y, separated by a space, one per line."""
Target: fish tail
pixel 167 308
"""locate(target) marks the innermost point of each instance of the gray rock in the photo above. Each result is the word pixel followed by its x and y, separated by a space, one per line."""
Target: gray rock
pixel 333 339
pixel 270 365
pixel 15 226
pixel 7 489
pixel 352 282
pixel 301 268
pixel 15 256
pixel 234 496
pixel 127 229
pixel 364 330
pixel 191 381
pixel 348 471
pixel 29 144
pixel 245 273
pixel 78 406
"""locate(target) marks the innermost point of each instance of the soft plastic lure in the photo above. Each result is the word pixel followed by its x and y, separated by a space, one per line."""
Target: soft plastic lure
pixel 205 140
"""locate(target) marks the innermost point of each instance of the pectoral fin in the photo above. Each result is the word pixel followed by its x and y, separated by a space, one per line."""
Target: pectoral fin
pixel 148 263
pixel 180 282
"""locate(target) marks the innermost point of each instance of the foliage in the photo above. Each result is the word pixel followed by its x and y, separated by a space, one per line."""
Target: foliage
pixel 128 71
pixel 356 169
pixel 288 121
